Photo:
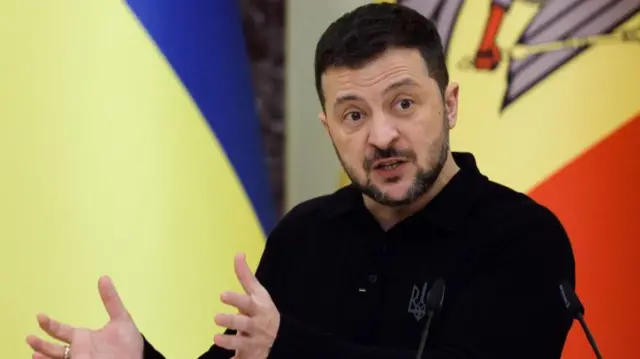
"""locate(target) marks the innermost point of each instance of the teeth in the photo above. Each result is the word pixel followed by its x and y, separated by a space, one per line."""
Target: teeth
pixel 390 166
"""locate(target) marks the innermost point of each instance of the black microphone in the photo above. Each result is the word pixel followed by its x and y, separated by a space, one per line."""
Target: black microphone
pixel 435 297
pixel 576 309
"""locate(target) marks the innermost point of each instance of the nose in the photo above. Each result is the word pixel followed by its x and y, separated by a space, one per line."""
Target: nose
pixel 383 132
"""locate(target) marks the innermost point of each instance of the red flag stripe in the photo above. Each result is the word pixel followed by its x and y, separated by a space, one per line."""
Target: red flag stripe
pixel 597 197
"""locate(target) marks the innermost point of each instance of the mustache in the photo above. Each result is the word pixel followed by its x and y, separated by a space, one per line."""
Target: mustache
pixel 392 152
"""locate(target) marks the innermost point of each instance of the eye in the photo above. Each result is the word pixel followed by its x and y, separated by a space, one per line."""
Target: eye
pixel 405 104
pixel 354 116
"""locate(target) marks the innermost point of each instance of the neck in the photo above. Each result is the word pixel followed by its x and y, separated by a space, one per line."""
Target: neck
pixel 390 216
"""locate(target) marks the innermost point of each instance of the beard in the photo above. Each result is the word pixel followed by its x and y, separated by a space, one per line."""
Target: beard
pixel 423 180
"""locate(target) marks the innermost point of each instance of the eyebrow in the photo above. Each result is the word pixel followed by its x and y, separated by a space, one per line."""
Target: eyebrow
pixel 346 98
pixel 393 86
pixel 401 83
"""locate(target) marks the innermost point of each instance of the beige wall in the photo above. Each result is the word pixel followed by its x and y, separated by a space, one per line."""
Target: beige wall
pixel 312 168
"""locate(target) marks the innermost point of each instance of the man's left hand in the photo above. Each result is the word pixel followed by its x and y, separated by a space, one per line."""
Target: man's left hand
pixel 258 319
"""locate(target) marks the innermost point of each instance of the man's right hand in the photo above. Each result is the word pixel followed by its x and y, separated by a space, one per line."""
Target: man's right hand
pixel 118 339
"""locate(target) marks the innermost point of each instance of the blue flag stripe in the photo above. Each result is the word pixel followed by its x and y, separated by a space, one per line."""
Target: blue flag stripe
pixel 204 43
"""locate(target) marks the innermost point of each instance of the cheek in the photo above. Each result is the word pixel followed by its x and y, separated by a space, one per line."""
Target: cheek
pixel 422 139
pixel 352 149
pixel 352 152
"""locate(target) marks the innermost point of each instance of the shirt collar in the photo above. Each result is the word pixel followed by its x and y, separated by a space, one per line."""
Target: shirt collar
pixel 448 209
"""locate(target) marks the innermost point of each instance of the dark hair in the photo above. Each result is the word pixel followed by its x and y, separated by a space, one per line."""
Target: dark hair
pixel 361 35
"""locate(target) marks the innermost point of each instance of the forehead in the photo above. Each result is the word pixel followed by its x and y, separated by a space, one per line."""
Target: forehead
pixel 389 67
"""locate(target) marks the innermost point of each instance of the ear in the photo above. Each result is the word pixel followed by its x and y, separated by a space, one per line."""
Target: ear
pixel 451 104
pixel 323 118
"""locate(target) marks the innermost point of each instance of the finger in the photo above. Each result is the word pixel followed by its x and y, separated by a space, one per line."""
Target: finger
pixel 37 355
pixel 55 329
pixel 112 302
pixel 243 302
pixel 44 347
pixel 231 342
pixel 238 322
pixel 248 281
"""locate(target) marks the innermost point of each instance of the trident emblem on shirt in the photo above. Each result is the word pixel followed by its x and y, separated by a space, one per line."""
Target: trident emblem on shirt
pixel 417 304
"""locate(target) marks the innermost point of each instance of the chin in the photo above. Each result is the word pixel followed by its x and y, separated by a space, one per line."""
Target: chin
pixel 395 191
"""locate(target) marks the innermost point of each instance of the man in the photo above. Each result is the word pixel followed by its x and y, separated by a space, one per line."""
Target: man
pixel 346 275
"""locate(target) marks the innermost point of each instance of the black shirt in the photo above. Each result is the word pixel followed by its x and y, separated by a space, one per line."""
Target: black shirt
pixel 346 288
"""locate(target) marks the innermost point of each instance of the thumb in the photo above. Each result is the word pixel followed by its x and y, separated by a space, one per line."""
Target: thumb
pixel 111 299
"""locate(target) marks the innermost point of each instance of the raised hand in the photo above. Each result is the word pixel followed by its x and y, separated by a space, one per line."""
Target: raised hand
pixel 258 319
pixel 118 339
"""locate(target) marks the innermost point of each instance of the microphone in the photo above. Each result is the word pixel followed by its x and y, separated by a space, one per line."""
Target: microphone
pixel 576 309
pixel 435 297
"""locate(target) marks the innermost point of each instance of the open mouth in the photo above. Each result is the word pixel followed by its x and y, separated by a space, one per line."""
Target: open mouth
pixel 388 164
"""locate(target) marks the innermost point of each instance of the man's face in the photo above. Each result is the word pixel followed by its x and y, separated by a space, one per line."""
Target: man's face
pixel 389 125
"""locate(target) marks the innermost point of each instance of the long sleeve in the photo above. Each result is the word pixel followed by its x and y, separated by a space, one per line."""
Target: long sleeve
pixel 215 352
pixel 510 308
pixel 149 352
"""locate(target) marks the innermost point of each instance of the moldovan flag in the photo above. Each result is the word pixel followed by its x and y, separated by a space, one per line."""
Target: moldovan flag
pixel 129 146
pixel 551 107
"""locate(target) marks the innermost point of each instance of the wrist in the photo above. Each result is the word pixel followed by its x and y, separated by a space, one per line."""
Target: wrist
pixel 148 351
pixel 285 338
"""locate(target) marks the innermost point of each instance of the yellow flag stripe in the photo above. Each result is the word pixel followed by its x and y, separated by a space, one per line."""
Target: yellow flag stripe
pixel 108 167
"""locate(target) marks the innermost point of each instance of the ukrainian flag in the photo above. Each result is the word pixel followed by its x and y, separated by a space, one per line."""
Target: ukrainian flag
pixel 129 146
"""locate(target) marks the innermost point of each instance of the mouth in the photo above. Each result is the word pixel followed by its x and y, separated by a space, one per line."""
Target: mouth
pixel 388 164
